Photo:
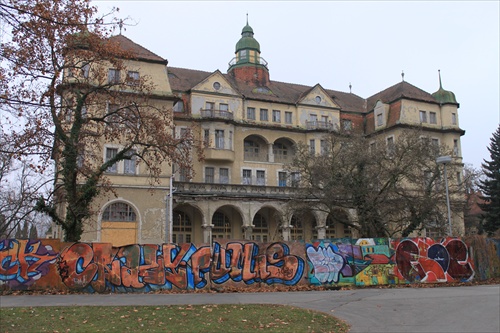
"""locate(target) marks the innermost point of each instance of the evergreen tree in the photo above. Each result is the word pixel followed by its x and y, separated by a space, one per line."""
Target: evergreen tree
pixel 490 186
pixel 33 232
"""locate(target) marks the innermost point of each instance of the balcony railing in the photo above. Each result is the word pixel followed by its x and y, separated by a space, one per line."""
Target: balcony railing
pixel 233 190
pixel 256 157
pixel 318 124
pixel 210 113
pixel 236 61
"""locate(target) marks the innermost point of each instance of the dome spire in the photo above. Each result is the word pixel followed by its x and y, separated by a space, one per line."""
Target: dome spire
pixel 444 96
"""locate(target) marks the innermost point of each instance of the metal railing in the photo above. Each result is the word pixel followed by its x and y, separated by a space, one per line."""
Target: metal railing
pixel 211 113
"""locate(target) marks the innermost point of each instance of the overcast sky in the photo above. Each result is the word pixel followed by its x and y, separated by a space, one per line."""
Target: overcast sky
pixel 333 43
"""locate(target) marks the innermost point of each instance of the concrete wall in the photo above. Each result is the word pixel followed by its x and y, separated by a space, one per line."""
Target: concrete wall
pixel 99 267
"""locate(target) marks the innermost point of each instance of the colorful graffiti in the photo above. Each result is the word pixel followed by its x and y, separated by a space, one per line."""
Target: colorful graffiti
pixel 425 260
pixel 100 267
pixel 345 261
pixel 22 262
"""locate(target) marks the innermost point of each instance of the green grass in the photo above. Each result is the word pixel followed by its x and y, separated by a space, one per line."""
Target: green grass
pixel 186 318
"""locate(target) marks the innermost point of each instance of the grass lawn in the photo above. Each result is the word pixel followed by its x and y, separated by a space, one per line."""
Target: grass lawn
pixel 185 318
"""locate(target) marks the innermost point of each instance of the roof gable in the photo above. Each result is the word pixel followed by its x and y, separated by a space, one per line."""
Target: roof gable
pixel 216 83
pixel 398 91
pixel 317 96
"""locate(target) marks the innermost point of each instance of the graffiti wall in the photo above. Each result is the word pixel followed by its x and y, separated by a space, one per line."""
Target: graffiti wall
pixel 99 267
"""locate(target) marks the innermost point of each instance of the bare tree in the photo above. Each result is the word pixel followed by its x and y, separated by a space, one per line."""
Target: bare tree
pixel 394 187
pixel 19 191
pixel 63 105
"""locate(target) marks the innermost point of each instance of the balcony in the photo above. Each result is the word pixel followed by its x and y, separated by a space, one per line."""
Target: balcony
pixel 318 124
pixel 233 190
pixel 216 114
pixel 256 157
pixel 236 61
pixel 219 154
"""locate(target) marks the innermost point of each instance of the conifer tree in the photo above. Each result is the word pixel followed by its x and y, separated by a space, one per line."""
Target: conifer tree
pixel 490 186
pixel 33 232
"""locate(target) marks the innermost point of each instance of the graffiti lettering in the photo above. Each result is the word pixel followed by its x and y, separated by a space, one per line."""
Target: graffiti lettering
pixel 99 267
pixel 22 262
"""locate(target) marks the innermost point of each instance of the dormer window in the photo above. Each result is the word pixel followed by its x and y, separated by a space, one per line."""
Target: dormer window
pixel 380 119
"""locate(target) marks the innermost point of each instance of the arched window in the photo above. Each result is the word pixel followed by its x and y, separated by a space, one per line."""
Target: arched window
pixel 280 152
pixel 252 150
pixel 181 227
pixel 297 230
pixel 222 226
pixel 260 230
pixel 119 212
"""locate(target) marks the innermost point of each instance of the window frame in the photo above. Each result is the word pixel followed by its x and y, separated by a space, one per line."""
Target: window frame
pixel 250 113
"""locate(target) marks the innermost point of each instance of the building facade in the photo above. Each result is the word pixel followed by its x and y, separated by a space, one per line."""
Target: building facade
pixel 249 125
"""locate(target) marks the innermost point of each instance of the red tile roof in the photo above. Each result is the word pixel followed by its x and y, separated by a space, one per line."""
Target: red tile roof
pixel 182 80
pixel 137 50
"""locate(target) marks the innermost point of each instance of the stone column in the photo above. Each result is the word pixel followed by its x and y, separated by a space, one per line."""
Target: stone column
pixel 286 232
pixel 247 232
pixel 270 152
pixel 207 233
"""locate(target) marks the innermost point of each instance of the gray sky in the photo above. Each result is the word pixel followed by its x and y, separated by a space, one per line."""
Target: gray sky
pixel 334 43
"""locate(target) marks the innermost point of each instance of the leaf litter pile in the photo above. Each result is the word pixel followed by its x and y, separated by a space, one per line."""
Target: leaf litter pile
pixel 186 318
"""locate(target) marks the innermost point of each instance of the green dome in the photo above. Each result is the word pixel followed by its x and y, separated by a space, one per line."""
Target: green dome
pixel 247 41
pixel 444 96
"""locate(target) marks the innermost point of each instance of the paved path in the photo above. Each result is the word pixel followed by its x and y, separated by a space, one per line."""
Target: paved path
pixel 444 309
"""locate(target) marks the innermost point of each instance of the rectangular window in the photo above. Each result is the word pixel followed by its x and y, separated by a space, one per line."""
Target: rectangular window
pixel 129 165
pixel 324 147
pixel 380 119
pixel 261 177
pixel 435 142
pixel 313 118
pixel 432 118
pixel 251 113
pixel 179 106
pixel 209 105
pixel 86 70
pixel 295 178
pixel 110 154
pixel 282 179
pixel 184 174
pixel 219 139
pixel 427 178
pixel 453 118
pixel 423 116
pixel 390 145
pixel 346 125
pixel 277 116
pixel 206 137
pixel 312 146
pixel 263 115
pixel 113 76
pixel 324 119
pixel 132 78
pixel 459 178
pixel 112 117
pixel 247 177
pixel 209 175
pixel 230 140
pixel 455 147
pixel 288 117
pixel 223 107
pixel 224 175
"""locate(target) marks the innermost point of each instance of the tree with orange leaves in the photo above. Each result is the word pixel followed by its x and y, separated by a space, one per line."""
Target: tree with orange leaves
pixel 56 95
